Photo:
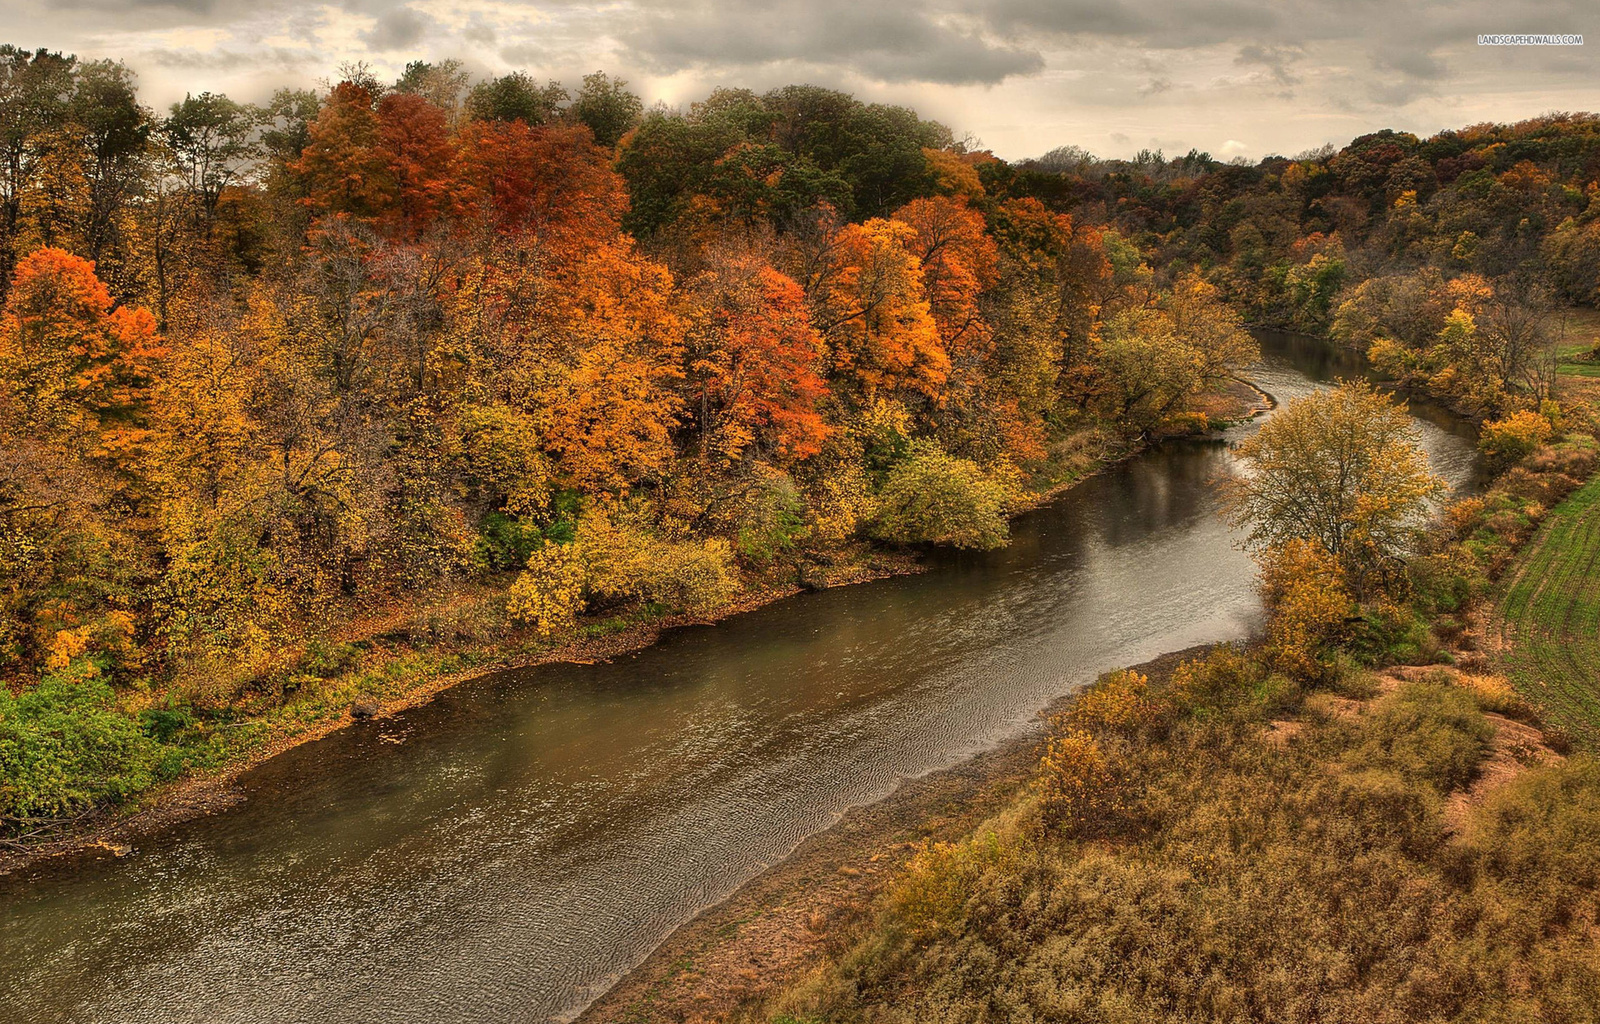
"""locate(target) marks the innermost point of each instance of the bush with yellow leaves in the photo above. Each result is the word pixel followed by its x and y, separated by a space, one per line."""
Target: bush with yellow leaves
pixel 1308 604
pixel 628 562
pixel 1119 702
pixel 548 594
pixel 928 899
pixel 1508 441
pixel 837 501
pixel 1078 789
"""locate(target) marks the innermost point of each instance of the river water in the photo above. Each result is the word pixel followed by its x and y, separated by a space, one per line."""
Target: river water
pixel 507 851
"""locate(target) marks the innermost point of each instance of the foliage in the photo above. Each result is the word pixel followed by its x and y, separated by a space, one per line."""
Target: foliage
pixel 1078 787
pixel 1508 441
pixel 64 746
pixel 627 561
pixel 292 370
pixel 548 594
pixel 1340 467
pixel 934 498
pixel 1118 702
pixel 1309 606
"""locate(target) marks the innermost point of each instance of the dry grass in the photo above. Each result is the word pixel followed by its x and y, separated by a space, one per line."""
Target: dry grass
pixel 1398 854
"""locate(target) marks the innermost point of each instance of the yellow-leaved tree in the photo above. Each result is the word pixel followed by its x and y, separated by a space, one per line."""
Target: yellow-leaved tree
pixel 1341 468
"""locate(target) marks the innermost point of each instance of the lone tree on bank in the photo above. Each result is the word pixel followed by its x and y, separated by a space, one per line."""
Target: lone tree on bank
pixel 1342 468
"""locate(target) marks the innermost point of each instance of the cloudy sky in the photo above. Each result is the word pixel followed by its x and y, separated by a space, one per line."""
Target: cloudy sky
pixel 1234 77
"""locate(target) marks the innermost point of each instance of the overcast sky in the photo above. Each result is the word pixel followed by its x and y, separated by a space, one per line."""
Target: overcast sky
pixel 1234 77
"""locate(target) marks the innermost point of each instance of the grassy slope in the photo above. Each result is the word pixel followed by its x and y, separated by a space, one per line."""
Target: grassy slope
pixel 1548 615
pixel 1365 857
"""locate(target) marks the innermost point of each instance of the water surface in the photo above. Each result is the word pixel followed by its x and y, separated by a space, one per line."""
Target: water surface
pixel 507 851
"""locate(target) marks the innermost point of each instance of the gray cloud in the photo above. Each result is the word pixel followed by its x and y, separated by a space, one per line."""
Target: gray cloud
pixel 1027 74
pixel 1177 25
pixel 399 29
pixel 1276 59
pixel 885 41
pixel 231 60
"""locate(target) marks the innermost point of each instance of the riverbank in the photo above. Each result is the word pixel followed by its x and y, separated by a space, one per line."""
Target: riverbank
pixel 1401 845
pixel 115 832
pixel 395 675
pixel 1246 813
pixel 778 925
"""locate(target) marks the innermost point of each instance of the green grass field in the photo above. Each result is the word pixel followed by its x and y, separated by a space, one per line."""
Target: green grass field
pixel 1548 616
pixel 1581 331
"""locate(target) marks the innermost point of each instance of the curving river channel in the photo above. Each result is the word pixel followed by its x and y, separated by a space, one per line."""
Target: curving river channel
pixel 507 851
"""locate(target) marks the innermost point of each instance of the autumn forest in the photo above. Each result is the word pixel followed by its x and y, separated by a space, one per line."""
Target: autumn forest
pixel 413 369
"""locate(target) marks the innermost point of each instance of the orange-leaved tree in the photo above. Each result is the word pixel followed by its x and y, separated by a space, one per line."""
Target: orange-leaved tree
pixel 343 168
pixel 753 362
pixel 870 303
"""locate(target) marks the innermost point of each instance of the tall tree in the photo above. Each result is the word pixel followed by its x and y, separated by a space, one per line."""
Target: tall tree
pixel 606 107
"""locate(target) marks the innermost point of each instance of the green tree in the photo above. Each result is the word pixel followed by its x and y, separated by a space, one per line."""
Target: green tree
pixel 34 89
pixel 212 142
pixel 516 97
pixel 934 498
pixel 607 107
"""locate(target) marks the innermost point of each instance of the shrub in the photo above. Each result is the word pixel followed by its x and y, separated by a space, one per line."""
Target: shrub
pixel 1426 732
pixel 65 747
pixel 506 542
pixel 548 595
pixel 1119 701
pixel 627 562
pixel 934 498
pixel 1538 832
pixel 1271 885
pixel 1305 594
pixel 838 500
pixel 1508 441
pixel 1446 581
pixel 1551 410
pixel 1390 633
pixel 326 658
pixel 1393 359
pixel 1494 693
pixel 1077 788
pixel 771 520
pixel 693 576
pixel 929 897
pixel 1221 679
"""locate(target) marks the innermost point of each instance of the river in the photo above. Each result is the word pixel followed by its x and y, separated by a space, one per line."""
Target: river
pixel 505 852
